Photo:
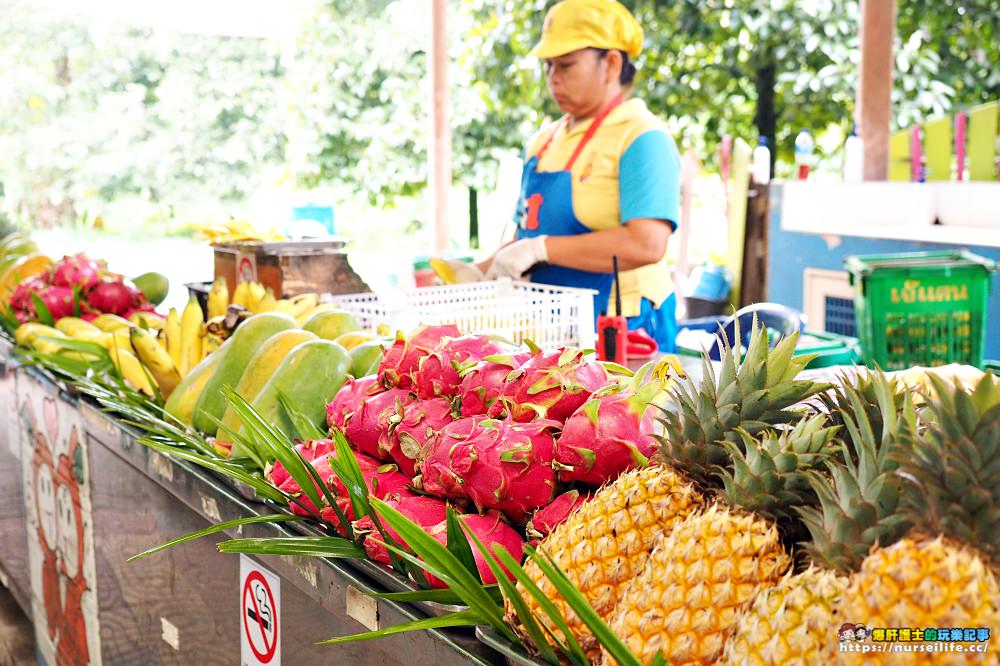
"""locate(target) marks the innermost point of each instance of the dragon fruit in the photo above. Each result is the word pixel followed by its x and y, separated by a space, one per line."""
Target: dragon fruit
pixel 481 384
pixel 58 300
pixel 382 480
pixel 403 358
pixel 422 421
pixel 439 373
pixel 21 298
pixel 610 433
pixel 114 297
pixel 424 511
pixel 545 519
pixel 503 465
pixel 368 428
pixel 550 385
pixel 347 400
pixel 491 531
pixel 76 271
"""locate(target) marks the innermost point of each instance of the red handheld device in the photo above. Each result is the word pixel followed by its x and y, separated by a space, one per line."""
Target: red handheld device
pixel 612 332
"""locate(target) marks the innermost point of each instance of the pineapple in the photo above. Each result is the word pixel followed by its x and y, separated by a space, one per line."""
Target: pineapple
pixel 790 623
pixel 602 545
pixel 943 574
pixel 608 540
pixel 858 505
pixel 704 575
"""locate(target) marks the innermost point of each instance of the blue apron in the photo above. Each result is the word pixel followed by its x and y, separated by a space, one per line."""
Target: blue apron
pixel 546 208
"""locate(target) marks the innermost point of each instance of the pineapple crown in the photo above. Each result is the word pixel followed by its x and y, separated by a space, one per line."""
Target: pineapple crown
pixel 752 395
pixel 952 475
pixel 769 474
pixel 858 503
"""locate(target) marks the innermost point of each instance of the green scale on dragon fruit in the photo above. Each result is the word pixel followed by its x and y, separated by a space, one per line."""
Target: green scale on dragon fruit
pixel 382 479
pixel 612 432
pixel 402 359
pixel 424 511
pixel 482 383
pixel 551 385
pixel 502 465
pixel 492 531
pixel 348 399
pixel 439 373
pixel 548 517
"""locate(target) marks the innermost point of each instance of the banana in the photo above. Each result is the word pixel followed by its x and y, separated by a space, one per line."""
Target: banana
pixel 174 335
pixel 157 360
pixel 210 344
pixel 152 321
pixel 241 296
pixel 26 334
pixel 218 297
pixel 132 371
pixel 257 294
pixel 285 306
pixel 304 317
pixel 110 322
pixel 298 305
pixel 120 338
pixel 267 303
pixel 192 329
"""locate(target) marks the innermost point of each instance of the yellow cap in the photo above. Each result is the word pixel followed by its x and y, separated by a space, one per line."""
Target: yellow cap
pixel 572 25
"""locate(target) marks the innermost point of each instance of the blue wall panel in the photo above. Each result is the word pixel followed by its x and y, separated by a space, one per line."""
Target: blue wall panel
pixel 790 253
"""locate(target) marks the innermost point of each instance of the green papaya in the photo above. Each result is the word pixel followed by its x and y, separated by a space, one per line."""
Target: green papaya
pixel 310 376
pixel 331 324
pixel 236 355
pixel 365 358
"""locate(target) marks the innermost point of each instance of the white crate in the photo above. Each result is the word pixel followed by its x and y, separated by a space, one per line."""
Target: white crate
pixel 549 316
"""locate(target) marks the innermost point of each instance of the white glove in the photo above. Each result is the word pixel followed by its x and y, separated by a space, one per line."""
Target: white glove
pixel 515 259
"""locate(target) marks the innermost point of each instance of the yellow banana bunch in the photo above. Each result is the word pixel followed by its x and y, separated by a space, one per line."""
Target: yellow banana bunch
pixel 174 336
pixel 111 322
pixel 78 329
pixel 132 371
pixel 233 230
pixel 218 298
pixel 241 296
pixel 156 359
pixel 151 320
pixel 210 343
pixel 254 296
pixel 192 330
pixel 267 303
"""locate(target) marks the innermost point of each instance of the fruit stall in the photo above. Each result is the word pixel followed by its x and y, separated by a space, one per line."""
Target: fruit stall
pixel 451 475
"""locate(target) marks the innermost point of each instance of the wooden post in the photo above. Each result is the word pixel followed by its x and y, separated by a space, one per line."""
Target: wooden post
pixel 874 99
pixel 439 155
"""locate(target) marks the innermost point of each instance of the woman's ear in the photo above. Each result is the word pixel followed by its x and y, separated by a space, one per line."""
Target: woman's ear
pixel 613 66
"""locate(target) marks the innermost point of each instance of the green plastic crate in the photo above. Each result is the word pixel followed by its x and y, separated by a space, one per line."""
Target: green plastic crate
pixel 992 366
pixel 830 349
pixel 923 308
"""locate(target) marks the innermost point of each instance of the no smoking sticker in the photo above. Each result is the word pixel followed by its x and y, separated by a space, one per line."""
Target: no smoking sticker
pixel 260 611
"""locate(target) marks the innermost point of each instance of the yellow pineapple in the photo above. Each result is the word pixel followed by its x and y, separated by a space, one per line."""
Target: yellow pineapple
pixel 792 623
pixel 606 541
pixel 921 583
pixel 704 575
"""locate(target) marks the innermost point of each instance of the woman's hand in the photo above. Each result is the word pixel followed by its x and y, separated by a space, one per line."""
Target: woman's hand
pixel 514 260
pixel 637 243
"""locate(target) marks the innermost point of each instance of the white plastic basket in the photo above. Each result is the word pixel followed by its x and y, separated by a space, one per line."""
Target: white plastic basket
pixel 549 316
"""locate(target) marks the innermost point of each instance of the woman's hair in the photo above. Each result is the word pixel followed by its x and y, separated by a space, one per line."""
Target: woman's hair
pixel 627 75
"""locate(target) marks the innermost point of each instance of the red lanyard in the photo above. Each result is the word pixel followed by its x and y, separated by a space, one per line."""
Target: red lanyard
pixel 586 137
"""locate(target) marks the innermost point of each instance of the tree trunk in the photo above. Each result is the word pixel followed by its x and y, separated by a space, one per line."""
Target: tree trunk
pixel 765 117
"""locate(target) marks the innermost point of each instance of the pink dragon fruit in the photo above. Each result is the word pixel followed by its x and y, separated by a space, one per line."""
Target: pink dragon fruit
pixel 382 480
pixel 347 400
pixel 403 358
pixel 610 433
pixel 491 531
pixel 550 385
pixel 439 373
pixel 481 384
pixel 59 301
pixel 424 511
pixel 76 271
pixel 422 421
pixel 113 297
pixel 504 465
pixel 545 519
pixel 368 428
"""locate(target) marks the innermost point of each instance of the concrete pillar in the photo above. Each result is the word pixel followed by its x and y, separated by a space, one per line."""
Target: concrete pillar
pixel 439 155
pixel 874 99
